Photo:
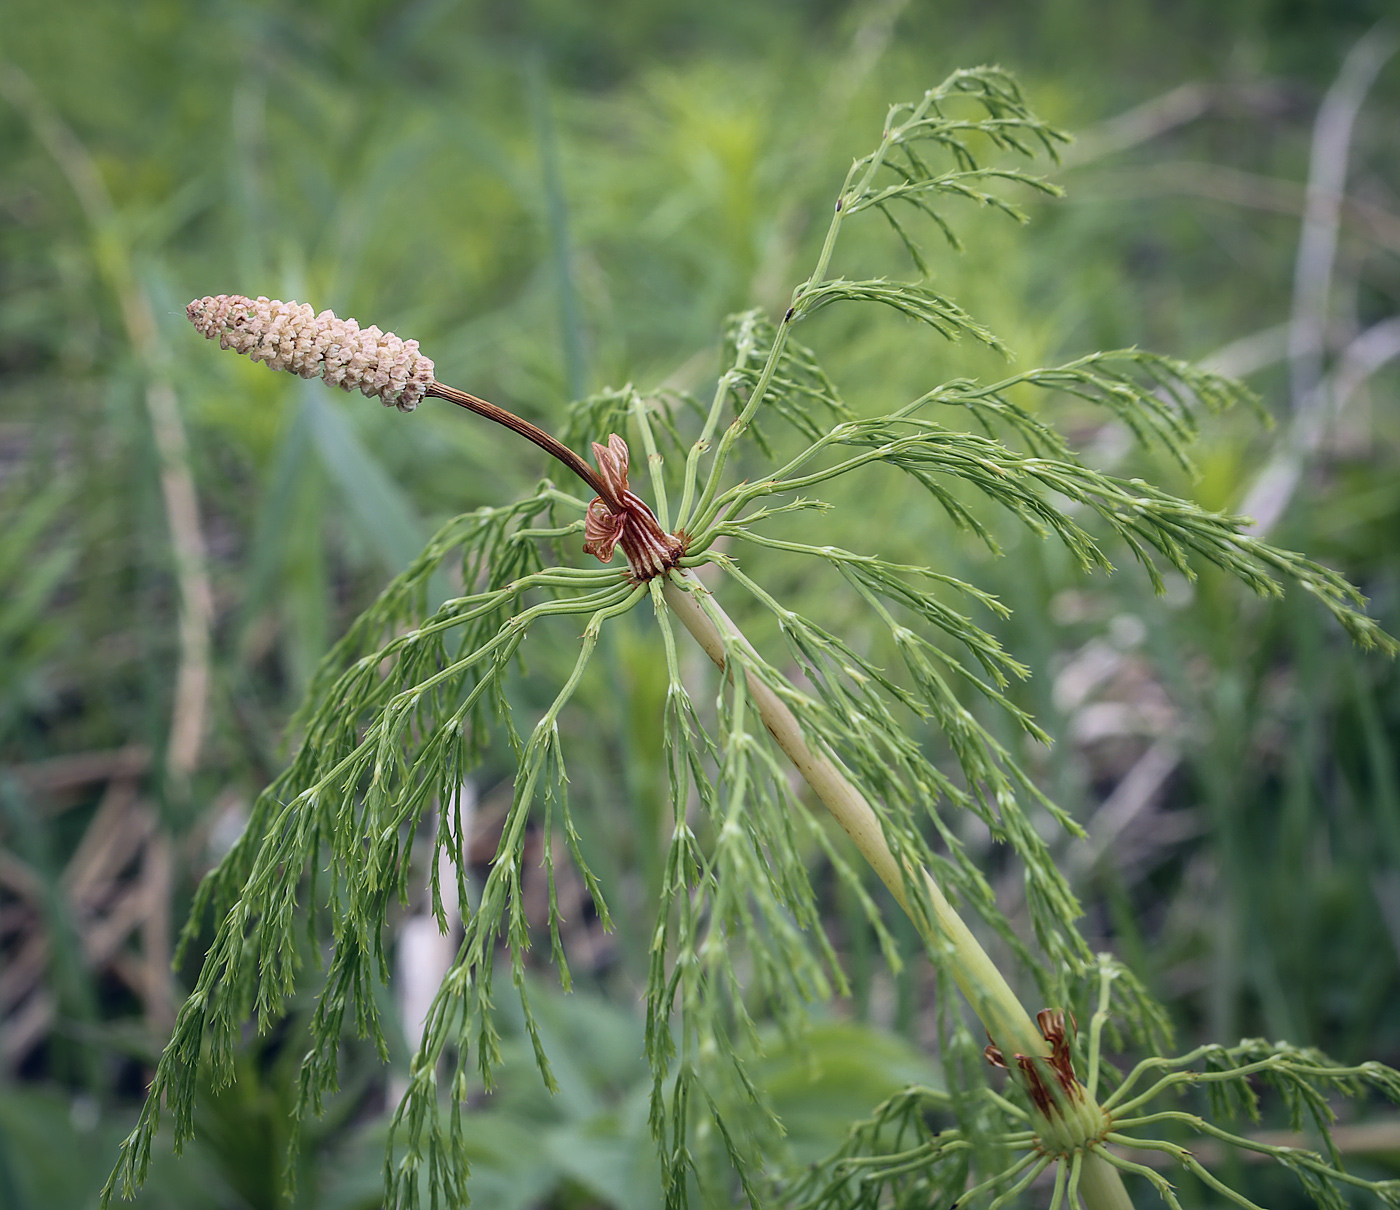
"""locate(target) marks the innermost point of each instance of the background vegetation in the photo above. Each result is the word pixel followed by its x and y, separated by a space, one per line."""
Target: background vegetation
pixel 558 197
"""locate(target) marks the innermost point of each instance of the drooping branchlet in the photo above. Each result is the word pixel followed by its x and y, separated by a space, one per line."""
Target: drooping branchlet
pixel 292 336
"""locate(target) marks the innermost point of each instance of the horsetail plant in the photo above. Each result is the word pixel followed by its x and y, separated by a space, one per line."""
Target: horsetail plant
pixel 402 706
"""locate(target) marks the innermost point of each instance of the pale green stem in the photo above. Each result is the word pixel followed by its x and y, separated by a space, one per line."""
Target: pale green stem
pixel 1294 1154
pixel 1183 1155
pixel 1152 1064
pixel 538 533
pixel 1076 1164
pixel 658 480
pixel 1127 1140
pixel 1007 1107
pixel 1194 1165
pixel 737 497
pixel 921 1152
pixel 1100 1185
pixel 1057 1198
pixel 926 1157
pixel 553 493
pixel 992 1182
pixel 1020 1186
pixel 1192 1078
pixel 1091 1084
pixel 848 196
pixel 973 970
pixel 1156 1179
pixel 975 973
pixel 741 422
pixel 743 346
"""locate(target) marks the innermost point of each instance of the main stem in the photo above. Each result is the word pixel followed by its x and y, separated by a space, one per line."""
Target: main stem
pixel 976 975
pixel 1101 1185
pixel 981 982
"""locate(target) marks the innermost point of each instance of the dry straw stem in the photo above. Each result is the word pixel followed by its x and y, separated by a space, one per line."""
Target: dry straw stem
pixel 1327 172
pixel 114 263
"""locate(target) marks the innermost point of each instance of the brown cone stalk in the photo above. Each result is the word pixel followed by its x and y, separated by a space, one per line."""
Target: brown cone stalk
pixel 291 336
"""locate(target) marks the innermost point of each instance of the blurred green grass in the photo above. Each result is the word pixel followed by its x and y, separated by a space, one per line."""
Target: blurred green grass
pixel 557 197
